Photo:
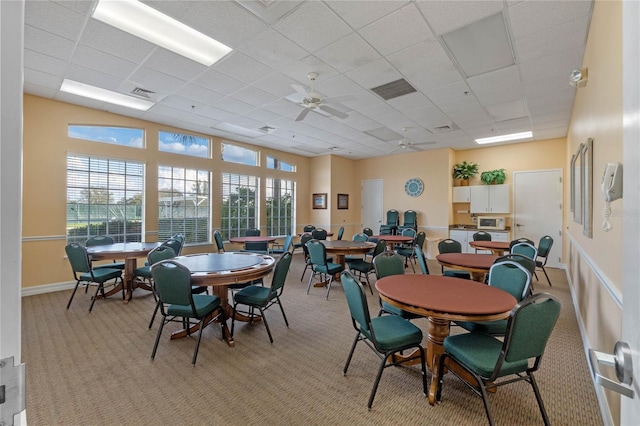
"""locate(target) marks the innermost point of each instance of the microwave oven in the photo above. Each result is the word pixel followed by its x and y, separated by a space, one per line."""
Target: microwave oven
pixel 491 222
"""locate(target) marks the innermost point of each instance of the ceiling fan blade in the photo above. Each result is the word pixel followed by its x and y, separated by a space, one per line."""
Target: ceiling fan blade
pixel 302 114
pixel 301 90
pixel 333 111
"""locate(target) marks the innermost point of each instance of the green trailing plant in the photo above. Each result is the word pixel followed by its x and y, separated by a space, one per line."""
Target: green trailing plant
pixel 464 170
pixel 493 177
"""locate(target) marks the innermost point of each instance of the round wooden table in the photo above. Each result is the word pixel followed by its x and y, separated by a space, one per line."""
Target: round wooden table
pixel 477 264
pixel 130 252
pixel 341 248
pixel 218 270
pixel 498 248
pixel 443 299
pixel 392 240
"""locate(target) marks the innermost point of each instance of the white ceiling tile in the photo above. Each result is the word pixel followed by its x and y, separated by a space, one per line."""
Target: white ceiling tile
pixel 42 79
pixel 254 96
pixel 233 105
pixel 428 116
pixel 199 94
pixel 397 31
pixel 218 82
pixel 419 57
pixel 277 84
pixel 242 67
pixel 445 93
pixel 497 86
pixel 45 63
pixel 530 17
pixel 508 110
pixel 43 92
pixel 54 18
pixel 444 16
pixel 435 77
pixel 410 101
pixel 155 81
pixel 116 42
pixel 374 74
pixel 48 44
pixel 300 70
pixel 358 14
pixel 273 49
pixel 313 25
pixel 100 61
pixel 269 11
pixel 567 37
pixel 175 65
pixel 348 53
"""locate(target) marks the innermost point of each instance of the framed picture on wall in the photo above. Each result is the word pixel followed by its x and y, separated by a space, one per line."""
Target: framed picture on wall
pixel 343 201
pixel 320 201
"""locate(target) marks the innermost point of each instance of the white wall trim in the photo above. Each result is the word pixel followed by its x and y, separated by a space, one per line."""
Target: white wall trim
pixel 47 288
pixel 43 238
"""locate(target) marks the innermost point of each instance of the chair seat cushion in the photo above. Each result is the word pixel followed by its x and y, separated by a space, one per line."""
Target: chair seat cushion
pixel 457 274
pixel 113 265
pixel 361 266
pixel 254 295
pixel 498 327
pixel 331 268
pixel 405 251
pixel 101 275
pixel 393 332
pixel 479 352
pixel 143 271
pixel 204 304
pixel 399 312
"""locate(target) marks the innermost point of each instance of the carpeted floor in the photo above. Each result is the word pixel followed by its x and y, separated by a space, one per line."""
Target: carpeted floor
pixel 95 369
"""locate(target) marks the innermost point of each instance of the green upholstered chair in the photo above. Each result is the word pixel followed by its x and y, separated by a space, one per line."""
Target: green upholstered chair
pixel 410 220
pixel 525 249
pixel 511 277
pixel 363 267
pixel 103 240
pixel 354 258
pixel 368 232
pixel 179 304
pixel 386 264
pixel 528 263
pixel 251 232
pixel 258 247
pixel 340 233
pixel 261 298
pixel 488 359
pixel 287 246
pixel 308 228
pixel 408 250
pixel 175 244
pixel 422 261
pixel 304 240
pixel 319 234
pixel 482 236
pixel 520 240
pixel 452 246
pixel 84 274
pixel 544 247
pixel 320 265
pixel 217 236
pixel 385 335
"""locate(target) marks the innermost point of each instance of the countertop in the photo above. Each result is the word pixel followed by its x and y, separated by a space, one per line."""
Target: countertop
pixel 475 228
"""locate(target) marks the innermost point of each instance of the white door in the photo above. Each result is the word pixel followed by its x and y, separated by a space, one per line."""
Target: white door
pixel 371 205
pixel 537 211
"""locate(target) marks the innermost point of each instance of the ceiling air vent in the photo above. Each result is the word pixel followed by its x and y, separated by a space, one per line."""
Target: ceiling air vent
pixel 446 128
pixel 267 129
pixel 394 89
pixel 143 93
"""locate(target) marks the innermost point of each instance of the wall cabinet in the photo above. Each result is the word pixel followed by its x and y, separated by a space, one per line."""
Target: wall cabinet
pixel 461 194
pixel 490 199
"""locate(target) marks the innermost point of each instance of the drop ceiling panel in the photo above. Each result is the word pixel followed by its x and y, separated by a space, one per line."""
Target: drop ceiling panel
pixel 566 37
pixel 273 49
pixel 437 76
pixel 531 17
pixel 445 16
pixel 254 96
pixel 118 43
pixel 421 56
pixel 358 14
pixel 497 86
pixel 242 67
pixel 508 110
pixel 348 53
pixel 55 19
pixel 48 44
pixel 199 94
pixel 218 82
pixel 104 62
pixel 175 65
pixel 374 74
pixel 45 63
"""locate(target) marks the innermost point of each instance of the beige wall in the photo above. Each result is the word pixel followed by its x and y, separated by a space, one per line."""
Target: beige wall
pixel 595 264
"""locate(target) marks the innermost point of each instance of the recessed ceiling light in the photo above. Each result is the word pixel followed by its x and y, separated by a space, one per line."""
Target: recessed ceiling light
pixel 149 24
pixel 97 93
pixel 505 138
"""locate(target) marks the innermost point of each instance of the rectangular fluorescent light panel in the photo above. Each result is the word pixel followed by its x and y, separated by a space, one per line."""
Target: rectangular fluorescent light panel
pixel 505 138
pixel 149 24
pixel 93 92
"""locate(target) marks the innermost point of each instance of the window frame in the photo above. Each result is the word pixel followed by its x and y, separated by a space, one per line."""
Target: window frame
pixel 228 182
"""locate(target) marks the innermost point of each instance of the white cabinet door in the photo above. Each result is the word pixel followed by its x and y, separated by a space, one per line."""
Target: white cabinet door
pixel 499 198
pixel 479 197
pixel 460 236
pixel 499 236
pixel 461 194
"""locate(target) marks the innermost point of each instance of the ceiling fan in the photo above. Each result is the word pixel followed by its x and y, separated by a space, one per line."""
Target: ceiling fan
pixel 405 143
pixel 312 100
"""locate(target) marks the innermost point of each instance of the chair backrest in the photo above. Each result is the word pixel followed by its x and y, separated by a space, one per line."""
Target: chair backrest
pixel 176 245
pixel 420 238
pixel 319 234
pixel 160 253
pixel 78 258
pixel 257 246
pixel 520 240
pixel 288 243
pixel 280 271
pixel 511 277
pixel 179 237
pixel 98 240
pixel 360 237
pixel 528 329
pixel 303 242
pixel 482 236
pixel 544 246
pixel 217 236
pixel 528 263
pixel 388 263
pixel 380 247
pixel 449 246
pixel 368 232
pixel 317 252
pixel 410 218
pixel 252 232
pixel 422 262
pixel 173 283
pixel 357 301
pixel 308 228
pixel 408 232
pixel 525 249
pixel 393 217
pixel 340 232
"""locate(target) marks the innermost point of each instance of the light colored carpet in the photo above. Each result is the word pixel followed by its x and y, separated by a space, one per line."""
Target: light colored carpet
pixel 95 369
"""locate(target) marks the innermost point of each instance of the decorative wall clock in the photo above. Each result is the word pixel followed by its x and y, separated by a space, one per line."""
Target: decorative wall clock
pixel 413 187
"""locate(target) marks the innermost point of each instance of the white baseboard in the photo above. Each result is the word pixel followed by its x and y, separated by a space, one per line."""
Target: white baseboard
pixel 47 288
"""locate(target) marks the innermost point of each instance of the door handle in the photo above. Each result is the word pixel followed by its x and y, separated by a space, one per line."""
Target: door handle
pixel 519 225
pixel 621 359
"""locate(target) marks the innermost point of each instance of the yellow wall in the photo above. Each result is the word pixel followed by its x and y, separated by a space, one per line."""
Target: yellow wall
pixel 595 264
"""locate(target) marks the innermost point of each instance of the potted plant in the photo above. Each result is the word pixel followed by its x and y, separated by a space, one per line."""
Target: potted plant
pixel 493 177
pixel 465 171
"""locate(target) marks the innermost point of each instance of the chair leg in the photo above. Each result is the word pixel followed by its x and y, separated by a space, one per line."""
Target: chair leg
pixel 233 318
pixel 155 311
pixel 195 351
pixel 536 390
pixel 377 382
pixel 545 274
pixel 328 287
pixel 483 394
pixel 353 348
pixel 266 324
pixel 366 275
pixel 95 296
pixel 282 310
pixel 304 272
pixel 313 274
pixel 155 346
pixel 73 294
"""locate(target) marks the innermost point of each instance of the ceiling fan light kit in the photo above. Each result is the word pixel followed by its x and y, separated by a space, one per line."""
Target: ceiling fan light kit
pixel 312 101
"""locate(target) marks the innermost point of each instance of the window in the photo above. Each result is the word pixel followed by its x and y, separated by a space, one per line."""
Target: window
pixel 104 197
pixel 239 204
pixel 181 143
pixel 184 204
pixel 114 135
pixel 238 154
pixel 274 163
pixel 280 200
